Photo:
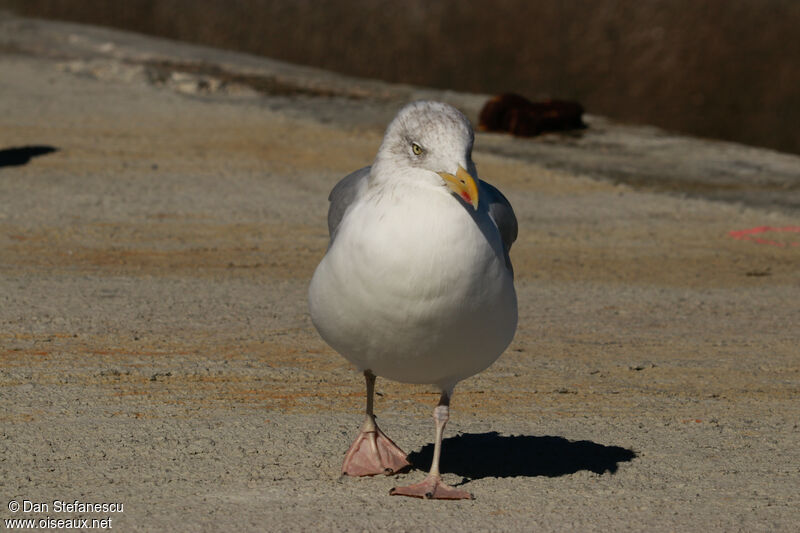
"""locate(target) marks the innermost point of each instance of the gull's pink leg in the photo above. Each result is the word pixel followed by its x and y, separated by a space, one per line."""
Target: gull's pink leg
pixel 373 452
pixel 432 487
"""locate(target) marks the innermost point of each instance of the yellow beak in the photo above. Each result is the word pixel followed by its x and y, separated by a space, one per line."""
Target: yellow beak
pixel 463 184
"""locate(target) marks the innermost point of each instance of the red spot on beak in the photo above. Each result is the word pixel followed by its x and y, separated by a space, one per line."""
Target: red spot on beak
pixel 465 196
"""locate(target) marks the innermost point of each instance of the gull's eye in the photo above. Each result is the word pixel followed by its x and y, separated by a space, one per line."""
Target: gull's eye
pixel 417 149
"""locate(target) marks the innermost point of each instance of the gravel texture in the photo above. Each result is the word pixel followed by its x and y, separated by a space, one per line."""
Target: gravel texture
pixel 156 349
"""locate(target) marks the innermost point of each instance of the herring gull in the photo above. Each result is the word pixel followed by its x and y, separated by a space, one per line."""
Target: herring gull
pixel 416 285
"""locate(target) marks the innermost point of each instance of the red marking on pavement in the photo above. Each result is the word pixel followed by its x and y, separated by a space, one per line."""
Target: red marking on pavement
pixel 749 235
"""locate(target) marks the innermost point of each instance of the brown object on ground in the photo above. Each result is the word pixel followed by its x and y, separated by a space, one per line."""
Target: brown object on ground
pixel 519 116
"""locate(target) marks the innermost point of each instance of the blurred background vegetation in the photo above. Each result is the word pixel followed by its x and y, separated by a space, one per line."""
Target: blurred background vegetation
pixel 726 69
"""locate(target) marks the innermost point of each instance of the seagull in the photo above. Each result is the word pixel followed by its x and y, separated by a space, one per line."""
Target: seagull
pixel 416 285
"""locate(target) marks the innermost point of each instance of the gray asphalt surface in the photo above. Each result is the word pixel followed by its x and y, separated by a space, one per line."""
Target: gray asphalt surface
pixel 157 351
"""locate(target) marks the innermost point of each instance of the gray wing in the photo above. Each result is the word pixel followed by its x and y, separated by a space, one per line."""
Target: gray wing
pixel 503 215
pixel 343 194
pixel 501 212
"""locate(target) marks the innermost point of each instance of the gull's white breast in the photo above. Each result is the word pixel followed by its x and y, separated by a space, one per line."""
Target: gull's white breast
pixel 414 288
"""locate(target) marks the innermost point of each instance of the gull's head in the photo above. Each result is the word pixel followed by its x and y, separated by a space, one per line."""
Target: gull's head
pixel 430 141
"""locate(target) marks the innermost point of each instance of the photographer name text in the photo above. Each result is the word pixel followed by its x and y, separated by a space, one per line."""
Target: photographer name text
pixel 75 506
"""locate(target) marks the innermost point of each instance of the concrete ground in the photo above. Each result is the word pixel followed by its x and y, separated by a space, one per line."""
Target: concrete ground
pixel 162 208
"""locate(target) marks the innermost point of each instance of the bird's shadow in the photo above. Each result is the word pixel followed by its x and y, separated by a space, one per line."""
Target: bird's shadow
pixel 21 155
pixel 480 455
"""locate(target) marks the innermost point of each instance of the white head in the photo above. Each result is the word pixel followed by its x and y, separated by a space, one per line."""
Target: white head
pixel 430 141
